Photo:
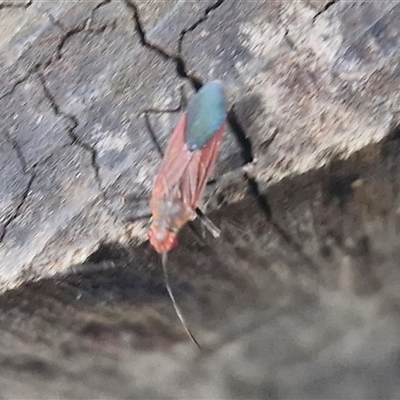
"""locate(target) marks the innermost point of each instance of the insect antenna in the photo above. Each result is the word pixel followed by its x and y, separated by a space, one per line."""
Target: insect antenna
pixel 145 113
pixel 164 260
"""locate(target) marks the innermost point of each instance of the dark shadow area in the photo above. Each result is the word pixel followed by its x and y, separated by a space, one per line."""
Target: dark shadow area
pixel 344 221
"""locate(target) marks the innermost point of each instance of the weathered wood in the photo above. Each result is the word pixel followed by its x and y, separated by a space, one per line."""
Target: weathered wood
pixel 299 297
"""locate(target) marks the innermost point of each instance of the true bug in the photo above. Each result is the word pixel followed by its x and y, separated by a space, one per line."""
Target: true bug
pixel 187 165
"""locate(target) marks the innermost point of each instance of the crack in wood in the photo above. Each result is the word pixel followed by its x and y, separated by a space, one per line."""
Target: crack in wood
pixel 75 139
pixel 207 11
pixel 15 4
pixel 180 64
pixel 85 26
pixel 19 207
pixel 326 7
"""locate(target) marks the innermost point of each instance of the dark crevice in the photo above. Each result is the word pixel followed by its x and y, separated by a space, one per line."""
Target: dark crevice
pixel 35 68
pixel 85 26
pixel 15 86
pixel 262 200
pixel 108 252
pixel 394 133
pixel 195 81
pixel 18 151
pixel 24 165
pixel 207 11
pixel 326 7
pixel 101 4
pixel 75 140
pixel 75 31
pixel 180 65
pixel 31 172
pixel 242 139
pixel 15 4
pixel 142 34
pixel 19 206
pixel 246 148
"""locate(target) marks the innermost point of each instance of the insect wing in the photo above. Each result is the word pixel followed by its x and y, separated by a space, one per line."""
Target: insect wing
pixel 206 114
pixel 199 169
pixel 175 161
pixel 194 147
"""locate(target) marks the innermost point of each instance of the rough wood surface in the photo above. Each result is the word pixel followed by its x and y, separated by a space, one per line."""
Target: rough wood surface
pixel 298 299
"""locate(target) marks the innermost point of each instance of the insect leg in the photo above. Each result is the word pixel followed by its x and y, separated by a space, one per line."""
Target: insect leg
pixel 152 134
pixel 145 113
pixel 232 176
pixel 208 224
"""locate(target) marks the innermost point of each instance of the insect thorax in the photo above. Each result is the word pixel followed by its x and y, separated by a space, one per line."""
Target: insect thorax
pixel 170 214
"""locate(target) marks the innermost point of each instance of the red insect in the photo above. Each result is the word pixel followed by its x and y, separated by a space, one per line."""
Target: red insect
pixel 187 165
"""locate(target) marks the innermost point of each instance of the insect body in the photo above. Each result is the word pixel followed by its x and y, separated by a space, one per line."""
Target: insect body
pixel 188 163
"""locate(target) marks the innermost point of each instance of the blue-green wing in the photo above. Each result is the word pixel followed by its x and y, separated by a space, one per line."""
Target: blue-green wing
pixel 206 114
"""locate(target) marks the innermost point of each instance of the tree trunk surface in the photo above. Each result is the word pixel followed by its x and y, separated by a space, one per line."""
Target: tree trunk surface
pixel 298 298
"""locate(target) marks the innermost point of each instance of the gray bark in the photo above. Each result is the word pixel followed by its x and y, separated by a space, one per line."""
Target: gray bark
pixel 298 298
